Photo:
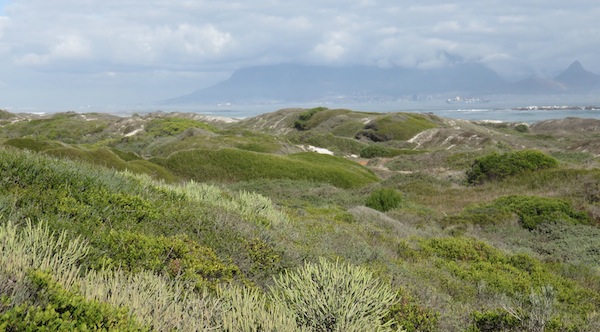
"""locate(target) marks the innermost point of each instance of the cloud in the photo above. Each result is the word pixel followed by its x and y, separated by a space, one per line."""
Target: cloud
pixel 67 48
pixel 134 38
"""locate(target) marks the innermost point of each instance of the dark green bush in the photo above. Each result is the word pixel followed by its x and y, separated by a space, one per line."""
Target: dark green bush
pixel 522 128
pixel 495 320
pixel 171 255
pixel 384 199
pixel 530 211
pixel 496 166
pixel 172 126
pixel 302 122
pixel 534 210
pixel 411 316
pixel 55 309
pixel 374 151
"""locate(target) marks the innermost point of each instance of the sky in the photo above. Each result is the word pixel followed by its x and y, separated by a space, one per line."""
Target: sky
pixel 71 53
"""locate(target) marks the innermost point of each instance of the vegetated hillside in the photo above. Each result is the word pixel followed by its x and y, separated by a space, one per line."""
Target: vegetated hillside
pixel 171 221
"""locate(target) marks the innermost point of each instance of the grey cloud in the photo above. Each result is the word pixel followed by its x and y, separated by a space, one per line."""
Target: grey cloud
pixel 177 37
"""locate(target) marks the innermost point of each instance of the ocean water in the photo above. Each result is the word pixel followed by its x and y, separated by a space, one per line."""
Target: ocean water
pixel 488 112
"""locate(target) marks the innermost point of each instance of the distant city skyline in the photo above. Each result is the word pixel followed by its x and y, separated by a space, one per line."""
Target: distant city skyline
pixel 70 53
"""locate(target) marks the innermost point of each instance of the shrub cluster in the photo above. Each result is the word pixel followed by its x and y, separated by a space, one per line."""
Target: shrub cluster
pixel 304 117
pixel 496 166
pixel 530 211
pixel 325 296
pixel 331 296
pixel 384 199
pixel 172 126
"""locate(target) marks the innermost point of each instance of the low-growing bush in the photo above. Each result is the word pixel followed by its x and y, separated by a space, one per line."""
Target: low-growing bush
pixel 384 199
pixel 530 211
pixel 173 256
pixel 534 210
pixel 413 317
pixel 496 166
pixel 172 126
pixel 304 117
pixel 55 309
pixel 333 296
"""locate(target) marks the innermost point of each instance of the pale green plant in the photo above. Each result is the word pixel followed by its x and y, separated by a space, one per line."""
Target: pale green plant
pixel 247 309
pixel 332 296
pixel 162 304
pixel 537 312
pixel 250 206
pixel 36 247
pixel 158 302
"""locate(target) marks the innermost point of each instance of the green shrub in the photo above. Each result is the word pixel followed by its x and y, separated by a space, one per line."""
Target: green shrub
pixel 495 320
pixel 384 199
pixel 411 316
pixel 332 296
pixel 172 255
pixel 522 128
pixel 247 309
pixel 4 114
pixel 375 151
pixel 304 117
pixel 496 166
pixel 173 126
pixel 534 210
pixel 56 309
pixel 530 211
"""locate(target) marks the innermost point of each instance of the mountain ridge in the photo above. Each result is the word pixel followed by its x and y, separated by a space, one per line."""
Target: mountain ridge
pixel 312 83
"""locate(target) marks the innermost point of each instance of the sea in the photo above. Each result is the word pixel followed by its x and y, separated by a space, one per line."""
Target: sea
pixel 521 112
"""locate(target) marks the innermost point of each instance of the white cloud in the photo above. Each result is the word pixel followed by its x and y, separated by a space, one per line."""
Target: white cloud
pixel 67 48
pixel 94 37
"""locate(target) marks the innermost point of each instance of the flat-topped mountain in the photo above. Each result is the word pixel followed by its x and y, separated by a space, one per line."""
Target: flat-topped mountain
pixel 307 83
pixel 287 82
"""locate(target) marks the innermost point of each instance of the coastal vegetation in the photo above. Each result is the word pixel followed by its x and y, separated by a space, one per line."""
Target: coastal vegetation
pixel 410 222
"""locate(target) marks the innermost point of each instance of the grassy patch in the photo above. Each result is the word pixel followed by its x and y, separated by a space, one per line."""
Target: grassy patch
pixel 400 126
pixel 65 127
pixel 230 165
pixel 172 126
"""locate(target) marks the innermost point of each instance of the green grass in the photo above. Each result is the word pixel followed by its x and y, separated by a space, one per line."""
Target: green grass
pixel 65 127
pixel 399 126
pixel 173 126
pixel 230 165
pixel 339 145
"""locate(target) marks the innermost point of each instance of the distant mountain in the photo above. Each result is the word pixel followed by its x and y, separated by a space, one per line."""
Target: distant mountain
pixel 303 83
pixel 287 82
pixel 577 79
pixel 573 80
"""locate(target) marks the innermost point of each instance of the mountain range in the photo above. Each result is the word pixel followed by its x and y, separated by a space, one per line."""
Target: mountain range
pixel 306 83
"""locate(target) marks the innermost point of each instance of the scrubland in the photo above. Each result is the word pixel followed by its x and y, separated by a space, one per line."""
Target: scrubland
pixel 416 223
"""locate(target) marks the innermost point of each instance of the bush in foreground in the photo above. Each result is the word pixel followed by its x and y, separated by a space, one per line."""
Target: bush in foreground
pixel 331 296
